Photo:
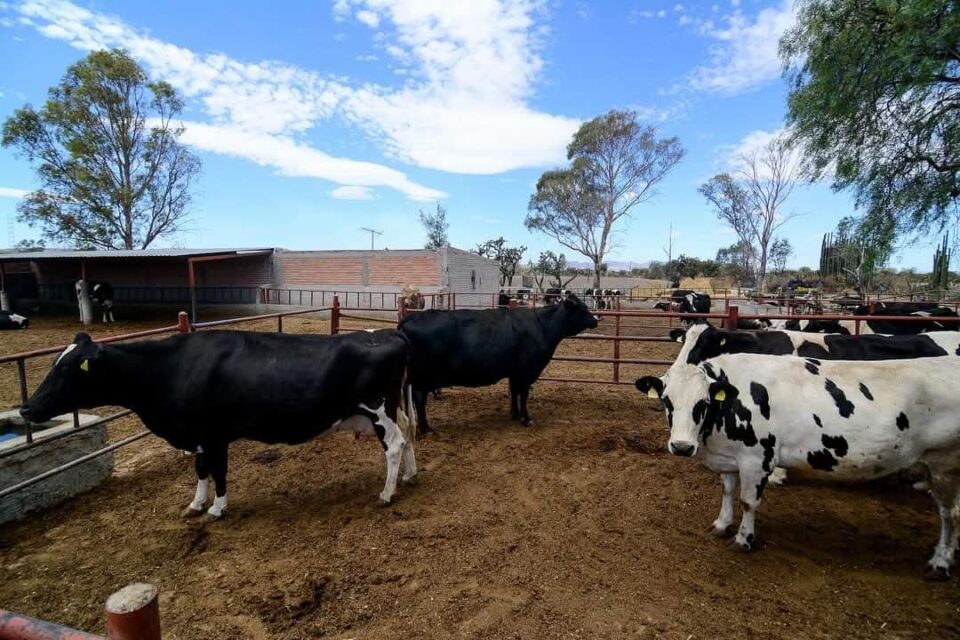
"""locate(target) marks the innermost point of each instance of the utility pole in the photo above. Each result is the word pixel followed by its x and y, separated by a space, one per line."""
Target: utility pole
pixel 372 232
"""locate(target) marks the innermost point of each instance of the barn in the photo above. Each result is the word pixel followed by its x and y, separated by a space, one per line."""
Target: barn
pixel 243 276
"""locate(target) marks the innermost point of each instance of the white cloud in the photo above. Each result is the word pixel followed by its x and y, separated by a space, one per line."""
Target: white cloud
pixel 353 193
pixel 468 70
pixel 733 157
pixel 290 158
pixel 662 13
pixel 745 55
pixel 684 19
pixel 10 192
pixel 368 58
pixel 678 8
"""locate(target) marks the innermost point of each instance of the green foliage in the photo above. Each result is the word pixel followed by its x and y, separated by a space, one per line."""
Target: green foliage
pixel 436 226
pixel 857 250
pixel 874 97
pixel 780 252
pixel 736 262
pixel 940 278
pixel 554 266
pixel 615 164
pixel 107 153
pixel 508 257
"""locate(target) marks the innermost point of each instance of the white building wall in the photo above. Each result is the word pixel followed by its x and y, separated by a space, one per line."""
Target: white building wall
pixel 476 280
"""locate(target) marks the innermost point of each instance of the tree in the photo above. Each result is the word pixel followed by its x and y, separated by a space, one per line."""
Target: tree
pixel 436 226
pixel 874 96
pixel 508 257
pixel 750 202
pixel 615 164
pixel 737 262
pixel 780 252
pixel 554 266
pixel 113 172
pixel 857 250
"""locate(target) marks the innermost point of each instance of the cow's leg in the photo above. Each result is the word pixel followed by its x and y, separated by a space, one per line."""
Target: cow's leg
pixel 420 399
pixel 945 487
pixel 753 479
pixel 195 508
pixel 514 400
pixel 391 438
pixel 524 414
pixel 722 527
pixel 217 463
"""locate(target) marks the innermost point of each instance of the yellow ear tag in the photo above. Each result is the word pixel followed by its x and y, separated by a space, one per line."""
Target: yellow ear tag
pixel 652 393
pixel 723 341
pixel 720 395
pixel 85 365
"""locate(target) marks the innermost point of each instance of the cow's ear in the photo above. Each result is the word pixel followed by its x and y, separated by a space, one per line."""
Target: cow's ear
pixel 82 338
pixel 722 392
pixel 650 385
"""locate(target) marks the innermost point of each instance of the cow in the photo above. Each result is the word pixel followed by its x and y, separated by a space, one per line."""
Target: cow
pixel 10 320
pixel 747 414
pixel 101 295
pixel 476 348
pixel 595 295
pixel 703 342
pixel 201 391
pixel 610 297
pixel 886 327
pixel 686 301
pixel 412 298
pixel 553 295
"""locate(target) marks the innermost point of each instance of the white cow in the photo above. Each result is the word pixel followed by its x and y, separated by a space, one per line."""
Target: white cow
pixel 748 414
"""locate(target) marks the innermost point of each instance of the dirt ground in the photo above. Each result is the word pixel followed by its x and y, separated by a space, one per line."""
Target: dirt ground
pixel 578 527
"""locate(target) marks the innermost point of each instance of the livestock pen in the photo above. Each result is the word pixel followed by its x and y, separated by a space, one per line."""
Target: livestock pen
pixel 582 526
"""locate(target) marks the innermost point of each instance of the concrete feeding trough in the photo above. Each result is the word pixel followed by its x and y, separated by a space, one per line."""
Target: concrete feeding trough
pixel 19 462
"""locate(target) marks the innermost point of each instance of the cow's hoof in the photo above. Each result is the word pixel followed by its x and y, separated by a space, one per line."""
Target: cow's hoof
pixel 383 503
pixel 936 574
pixel 216 515
pixel 190 512
pixel 412 481
pixel 721 532
pixel 741 545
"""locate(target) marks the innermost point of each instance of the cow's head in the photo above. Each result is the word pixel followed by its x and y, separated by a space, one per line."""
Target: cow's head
pixel 575 316
pixel 73 382
pixel 692 401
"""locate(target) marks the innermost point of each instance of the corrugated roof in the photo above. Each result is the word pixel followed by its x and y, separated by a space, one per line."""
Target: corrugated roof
pixel 66 254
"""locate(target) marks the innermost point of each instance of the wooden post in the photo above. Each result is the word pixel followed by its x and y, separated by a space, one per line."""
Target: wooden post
pixel 401 308
pixel 133 613
pixel 279 324
pixel 335 316
pixel 183 322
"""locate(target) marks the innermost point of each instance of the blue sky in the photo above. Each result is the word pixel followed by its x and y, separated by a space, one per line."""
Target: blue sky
pixel 313 120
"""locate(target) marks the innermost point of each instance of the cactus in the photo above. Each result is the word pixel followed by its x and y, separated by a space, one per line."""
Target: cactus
pixel 941 267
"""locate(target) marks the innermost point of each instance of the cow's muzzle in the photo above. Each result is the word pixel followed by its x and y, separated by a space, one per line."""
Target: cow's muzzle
pixel 680 448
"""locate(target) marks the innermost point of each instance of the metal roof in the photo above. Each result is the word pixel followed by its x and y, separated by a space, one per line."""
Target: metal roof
pixel 7 255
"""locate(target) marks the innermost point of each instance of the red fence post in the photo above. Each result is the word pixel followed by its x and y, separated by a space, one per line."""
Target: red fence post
pixel 183 322
pixel 279 324
pixel 616 344
pixel 733 317
pixel 133 613
pixel 335 317
pixel 401 308
pixel 512 304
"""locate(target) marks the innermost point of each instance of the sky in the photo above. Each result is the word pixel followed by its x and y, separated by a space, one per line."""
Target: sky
pixel 313 119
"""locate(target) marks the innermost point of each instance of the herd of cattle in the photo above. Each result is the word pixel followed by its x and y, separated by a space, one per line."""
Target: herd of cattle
pixel 848 407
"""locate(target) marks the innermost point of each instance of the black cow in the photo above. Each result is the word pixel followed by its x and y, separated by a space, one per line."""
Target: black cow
pixel 201 391
pixel 889 327
pixel 471 348
pixel 10 320
pixel 686 301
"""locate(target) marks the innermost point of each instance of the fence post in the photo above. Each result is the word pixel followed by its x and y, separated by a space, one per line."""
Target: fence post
pixel 512 304
pixel 335 317
pixel 24 396
pixel 401 308
pixel 279 324
pixel 133 613
pixel 733 317
pixel 453 300
pixel 183 322
pixel 616 344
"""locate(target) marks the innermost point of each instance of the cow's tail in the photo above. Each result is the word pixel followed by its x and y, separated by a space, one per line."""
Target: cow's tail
pixel 407 415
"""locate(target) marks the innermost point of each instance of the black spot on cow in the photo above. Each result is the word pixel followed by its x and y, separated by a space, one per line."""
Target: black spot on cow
pixel 700 410
pixel 812 368
pixel 816 419
pixel 737 424
pixel 844 406
pixel 761 487
pixel 760 398
pixel 767 444
pixel 668 405
pixel 377 427
pixel 865 390
pixel 712 342
pixel 809 349
pixel 958 351
pixel 822 460
pixel 837 443
pixel 903 423
pixel 710 371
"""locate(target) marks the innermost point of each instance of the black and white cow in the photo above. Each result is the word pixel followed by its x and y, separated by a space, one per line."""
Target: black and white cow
pixel 747 414
pixel 686 301
pixel 10 320
pixel 476 348
pixel 101 295
pixel 886 327
pixel 553 295
pixel 703 342
pixel 201 391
